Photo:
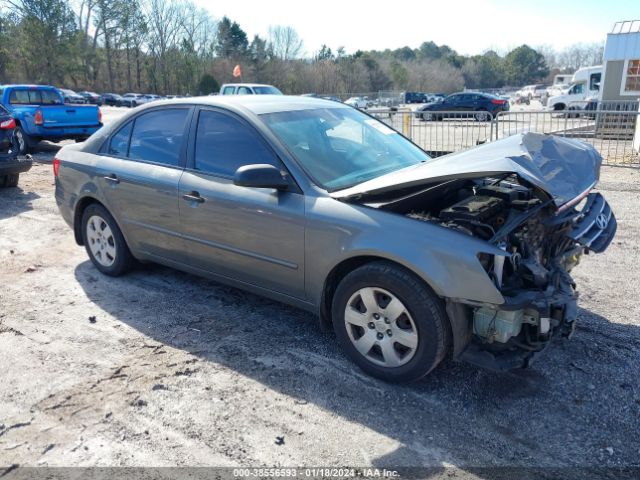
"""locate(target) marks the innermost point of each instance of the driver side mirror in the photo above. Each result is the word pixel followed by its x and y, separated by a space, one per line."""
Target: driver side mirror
pixel 260 176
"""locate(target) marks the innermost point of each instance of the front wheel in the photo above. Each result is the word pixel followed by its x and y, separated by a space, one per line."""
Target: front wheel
pixel 481 116
pixel 427 117
pixel 389 322
pixel 104 241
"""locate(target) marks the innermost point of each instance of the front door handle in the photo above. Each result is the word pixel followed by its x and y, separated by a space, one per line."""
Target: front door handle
pixel 193 197
pixel 113 178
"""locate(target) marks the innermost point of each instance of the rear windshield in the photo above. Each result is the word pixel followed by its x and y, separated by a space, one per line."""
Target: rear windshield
pixel 267 91
pixel 35 97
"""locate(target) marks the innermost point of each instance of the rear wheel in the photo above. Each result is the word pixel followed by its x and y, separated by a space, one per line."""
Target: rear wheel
pixel 427 116
pixel 24 141
pixel 9 181
pixel 389 322
pixel 104 241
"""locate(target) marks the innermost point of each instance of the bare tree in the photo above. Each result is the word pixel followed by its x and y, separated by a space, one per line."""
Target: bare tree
pixel 284 42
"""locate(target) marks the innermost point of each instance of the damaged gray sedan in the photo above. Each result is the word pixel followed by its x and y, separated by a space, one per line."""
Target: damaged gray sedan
pixel 318 205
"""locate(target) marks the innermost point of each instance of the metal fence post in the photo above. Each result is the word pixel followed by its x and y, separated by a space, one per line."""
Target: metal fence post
pixel 406 124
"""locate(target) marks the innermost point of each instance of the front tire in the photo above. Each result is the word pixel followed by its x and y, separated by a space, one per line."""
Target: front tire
pixel 389 322
pixel 104 241
pixel 481 116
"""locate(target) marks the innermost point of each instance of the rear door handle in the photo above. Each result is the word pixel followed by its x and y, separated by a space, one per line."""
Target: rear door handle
pixel 113 178
pixel 193 197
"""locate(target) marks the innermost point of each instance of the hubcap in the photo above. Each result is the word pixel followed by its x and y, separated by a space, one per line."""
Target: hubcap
pixel 380 327
pixel 20 139
pixel 101 241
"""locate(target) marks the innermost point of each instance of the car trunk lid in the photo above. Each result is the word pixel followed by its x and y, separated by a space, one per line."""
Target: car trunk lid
pixel 56 116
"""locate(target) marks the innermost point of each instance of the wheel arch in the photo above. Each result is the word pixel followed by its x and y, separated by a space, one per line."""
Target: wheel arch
pixel 81 205
pixel 348 265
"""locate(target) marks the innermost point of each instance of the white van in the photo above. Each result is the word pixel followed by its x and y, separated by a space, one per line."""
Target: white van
pixel 585 84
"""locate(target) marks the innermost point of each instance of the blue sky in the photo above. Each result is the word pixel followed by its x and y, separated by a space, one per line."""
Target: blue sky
pixel 469 26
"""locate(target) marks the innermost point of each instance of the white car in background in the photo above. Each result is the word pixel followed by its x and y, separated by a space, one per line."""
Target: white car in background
pixel 357 102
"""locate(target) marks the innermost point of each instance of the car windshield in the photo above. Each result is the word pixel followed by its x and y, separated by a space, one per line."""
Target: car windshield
pixel 35 97
pixel 267 91
pixel 342 147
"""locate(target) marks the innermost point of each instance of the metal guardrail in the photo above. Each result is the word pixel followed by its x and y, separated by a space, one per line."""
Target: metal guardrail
pixel 440 133
pixel 614 133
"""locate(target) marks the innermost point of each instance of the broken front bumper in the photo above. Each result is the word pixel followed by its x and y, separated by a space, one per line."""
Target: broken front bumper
pixel 593 229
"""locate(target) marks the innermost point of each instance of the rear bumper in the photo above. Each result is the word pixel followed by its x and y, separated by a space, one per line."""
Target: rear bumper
pixel 10 165
pixel 61 133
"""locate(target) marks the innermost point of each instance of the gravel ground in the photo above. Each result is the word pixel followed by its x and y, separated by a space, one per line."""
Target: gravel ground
pixel 162 368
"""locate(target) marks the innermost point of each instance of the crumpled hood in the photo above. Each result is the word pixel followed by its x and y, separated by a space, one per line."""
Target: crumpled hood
pixel 561 167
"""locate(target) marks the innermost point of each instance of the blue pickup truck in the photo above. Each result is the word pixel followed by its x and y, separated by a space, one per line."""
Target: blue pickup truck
pixel 40 114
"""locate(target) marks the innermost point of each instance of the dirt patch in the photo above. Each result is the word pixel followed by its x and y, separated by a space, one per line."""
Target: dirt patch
pixel 178 370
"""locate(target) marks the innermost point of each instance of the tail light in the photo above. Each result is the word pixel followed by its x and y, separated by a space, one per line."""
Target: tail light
pixel 99 115
pixel 498 102
pixel 8 124
pixel 38 118
pixel 56 166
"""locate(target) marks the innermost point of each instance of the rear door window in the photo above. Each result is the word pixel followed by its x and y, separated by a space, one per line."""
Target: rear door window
pixel 224 144
pixel 158 135
pixel 119 145
pixel 244 91
pixel 228 90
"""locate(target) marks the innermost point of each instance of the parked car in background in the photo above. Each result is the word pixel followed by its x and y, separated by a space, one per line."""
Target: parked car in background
pixel 357 102
pixel 297 204
pixel 414 97
pixel 72 97
pixel 152 98
pixel 91 97
pixel 112 99
pixel 481 106
pixel 526 91
pixel 11 166
pixel 40 114
pixel 133 99
pixel 248 89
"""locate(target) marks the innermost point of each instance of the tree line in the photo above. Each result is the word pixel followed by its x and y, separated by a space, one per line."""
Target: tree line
pixel 175 47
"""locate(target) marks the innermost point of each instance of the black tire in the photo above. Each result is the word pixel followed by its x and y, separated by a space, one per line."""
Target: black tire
pixel 23 141
pixel 424 307
pixel 123 261
pixel 481 116
pixel 9 181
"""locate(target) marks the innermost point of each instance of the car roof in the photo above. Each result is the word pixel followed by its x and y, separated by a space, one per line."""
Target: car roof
pixel 247 85
pixel 25 85
pixel 256 104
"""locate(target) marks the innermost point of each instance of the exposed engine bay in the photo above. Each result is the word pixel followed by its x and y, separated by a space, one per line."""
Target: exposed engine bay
pixel 542 243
